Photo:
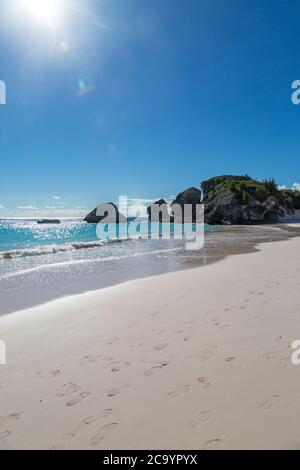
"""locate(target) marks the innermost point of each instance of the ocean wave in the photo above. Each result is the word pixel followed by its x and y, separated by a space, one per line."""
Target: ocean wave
pixel 53 249
pixel 80 262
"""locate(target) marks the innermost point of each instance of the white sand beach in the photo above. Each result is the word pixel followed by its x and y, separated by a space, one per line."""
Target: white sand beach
pixel 196 359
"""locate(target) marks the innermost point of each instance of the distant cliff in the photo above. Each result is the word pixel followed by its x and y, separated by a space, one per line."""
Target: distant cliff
pixel 242 200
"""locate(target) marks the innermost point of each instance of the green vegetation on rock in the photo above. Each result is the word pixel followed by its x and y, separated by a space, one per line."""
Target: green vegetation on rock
pixel 232 199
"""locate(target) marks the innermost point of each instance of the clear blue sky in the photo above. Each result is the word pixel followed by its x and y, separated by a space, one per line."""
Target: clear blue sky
pixel 144 97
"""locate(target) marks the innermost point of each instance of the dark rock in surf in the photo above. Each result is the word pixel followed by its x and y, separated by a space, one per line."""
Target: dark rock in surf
pixel 49 221
pixel 105 213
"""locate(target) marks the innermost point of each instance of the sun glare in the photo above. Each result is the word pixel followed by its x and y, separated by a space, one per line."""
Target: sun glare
pixel 45 10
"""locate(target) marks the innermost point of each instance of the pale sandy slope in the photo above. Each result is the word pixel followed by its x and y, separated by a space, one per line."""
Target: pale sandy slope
pixel 194 359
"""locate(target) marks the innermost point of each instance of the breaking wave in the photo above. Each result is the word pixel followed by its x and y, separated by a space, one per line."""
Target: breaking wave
pixel 64 264
pixel 52 249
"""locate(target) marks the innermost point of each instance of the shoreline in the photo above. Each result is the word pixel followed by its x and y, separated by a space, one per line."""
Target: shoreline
pixel 20 298
pixel 160 362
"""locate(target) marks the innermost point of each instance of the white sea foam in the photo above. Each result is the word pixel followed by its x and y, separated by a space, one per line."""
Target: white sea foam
pixel 74 262
pixel 52 249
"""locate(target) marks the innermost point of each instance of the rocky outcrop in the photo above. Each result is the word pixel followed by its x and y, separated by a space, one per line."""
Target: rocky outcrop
pixel 158 212
pixel 227 199
pixel 243 200
pixel 189 197
pixel 108 211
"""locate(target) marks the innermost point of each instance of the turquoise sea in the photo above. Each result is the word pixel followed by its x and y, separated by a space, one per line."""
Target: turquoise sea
pixel 42 262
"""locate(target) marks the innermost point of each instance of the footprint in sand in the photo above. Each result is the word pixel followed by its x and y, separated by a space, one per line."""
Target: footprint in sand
pixel 90 359
pixel 102 415
pixel 106 358
pixel 84 423
pixel 203 417
pixel 77 400
pixel 154 362
pixel 230 359
pixel 115 391
pixel 106 429
pixel 270 402
pixel 156 368
pixel 67 389
pixel 213 444
pixel 10 417
pixel 49 373
pixel 116 366
pixel 4 434
pixel 204 382
pixel 160 347
pixel 180 392
pixel 64 440
pixel 277 361
pixel 73 402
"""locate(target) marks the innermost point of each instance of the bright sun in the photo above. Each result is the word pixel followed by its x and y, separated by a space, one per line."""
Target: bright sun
pixel 45 10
